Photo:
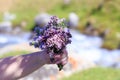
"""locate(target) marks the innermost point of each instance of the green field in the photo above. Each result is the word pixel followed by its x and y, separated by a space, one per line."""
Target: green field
pixel 96 74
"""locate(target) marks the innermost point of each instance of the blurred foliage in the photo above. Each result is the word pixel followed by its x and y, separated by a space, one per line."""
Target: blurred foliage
pixel 96 74
pixel 104 14
pixel 28 9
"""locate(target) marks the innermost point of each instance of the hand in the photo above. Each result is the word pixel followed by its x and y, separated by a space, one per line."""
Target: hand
pixel 61 58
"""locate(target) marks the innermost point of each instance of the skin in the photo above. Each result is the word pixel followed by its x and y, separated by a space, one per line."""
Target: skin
pixel 16 67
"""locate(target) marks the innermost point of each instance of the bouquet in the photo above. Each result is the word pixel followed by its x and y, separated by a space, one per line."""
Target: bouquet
pixel 53 37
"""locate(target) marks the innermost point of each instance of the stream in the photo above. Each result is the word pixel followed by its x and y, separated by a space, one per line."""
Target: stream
pixel 88 47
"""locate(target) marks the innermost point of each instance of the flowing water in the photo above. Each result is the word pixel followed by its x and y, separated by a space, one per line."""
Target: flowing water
pixel 7 39
pixel 88 47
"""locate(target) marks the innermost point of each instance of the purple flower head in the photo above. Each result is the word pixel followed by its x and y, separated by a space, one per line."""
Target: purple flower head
pixel 54 36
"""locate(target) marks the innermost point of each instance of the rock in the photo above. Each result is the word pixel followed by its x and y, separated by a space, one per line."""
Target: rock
pixel 5 27
pixel 23 24
pixel 8 16
pixel 118 46
pixel 73 20
pixel 104 33
pixel 66 2
pixel 42 19
pixel 90 30
pixel 17 30
pixel 118 35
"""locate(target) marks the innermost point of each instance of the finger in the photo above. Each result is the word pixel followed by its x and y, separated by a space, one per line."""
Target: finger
pixel 62 55
pixel 58 56
pixel 61 58
pixel 63 61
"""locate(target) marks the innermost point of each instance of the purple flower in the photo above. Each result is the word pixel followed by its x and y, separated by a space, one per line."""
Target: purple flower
pixel 54 36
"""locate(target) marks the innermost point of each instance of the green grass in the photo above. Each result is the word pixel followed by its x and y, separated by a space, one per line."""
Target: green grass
pixel 13 53
pixel 96 74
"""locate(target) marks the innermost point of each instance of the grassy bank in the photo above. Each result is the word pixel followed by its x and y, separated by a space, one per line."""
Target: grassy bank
pixel 96 74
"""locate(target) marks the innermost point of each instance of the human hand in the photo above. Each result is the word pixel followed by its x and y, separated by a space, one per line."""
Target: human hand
pixel 55 58
pixel 60 58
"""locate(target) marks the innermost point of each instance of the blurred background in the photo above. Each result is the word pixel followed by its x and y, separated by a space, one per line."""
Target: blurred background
pixel 94 53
